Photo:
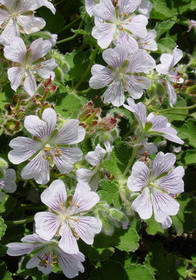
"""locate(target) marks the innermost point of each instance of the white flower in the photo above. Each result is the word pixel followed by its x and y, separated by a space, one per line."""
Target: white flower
pixel 148 42
pixel 112 19
pixel 27 62
pixel 46 254
pixel 48 146
pixel 192 24
pixel 7 183
pixel 66 216
pixel 94 158
pixel 158 188
pixel 89 6
pixel 168 61
pixel 18 16
pixel 145 8
pixel 152 124
pixel 123 73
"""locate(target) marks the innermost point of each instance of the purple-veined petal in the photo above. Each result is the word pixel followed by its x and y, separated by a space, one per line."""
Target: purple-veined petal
pixel 36 4
pixel 158 122
pixel 45 70
pixel 70 263
pixel 136 24
pixel 83 200
pixel 114 94
pixel 95 157
pixel 35 261
pixel 68 242
pixel 170 134
pixel 172 182
pixel 105 10
pixel 177 55
pixel 138 109
pixel 87 227
pixel 33 238
pixel 67 158
pixel 35 126
pixel 4 16
pixel 9 33
pixel 31 24
pixel 37 168
pixel 139 176
pixel 15 75
pixel 102 76
pixel 135 85
pixel 145 8
pixel 84 175
pixel 171 93
pixel 30 85
pixel 142 205
pixel 69 133
pixel 16 51
pixel 164 205
pixel 19 249
pixel 140 61
pixel 162 163
pixel 128 6
pixel 46 224
pixel 49 116
pixel 125 38
pixel 117 56
pixel 54 195
pixel 39 48
pixel 23 149
pixel 104 34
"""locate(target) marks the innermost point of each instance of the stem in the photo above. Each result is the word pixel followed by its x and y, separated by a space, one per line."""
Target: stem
pixel 134 152
pixel 67 39
pixel 88 68
pixel 33 207
pixel 69 24
pixel 20 222
pixel 180 108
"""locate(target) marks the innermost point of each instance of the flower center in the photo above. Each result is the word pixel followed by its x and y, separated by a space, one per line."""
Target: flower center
pixel 50 153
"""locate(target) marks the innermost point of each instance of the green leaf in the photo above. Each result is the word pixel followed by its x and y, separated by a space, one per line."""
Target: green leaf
pixel 185 220
pixel 4 273
pixel 138 272
pixel 3 227
pixel 129 241
pixel 100 254
pixel 177 114
pixel 153 227
pixel 109 192
pixel 110 270
pixel 7 205
pixel 164 26
pixel 166 45
pixel 188 131
pixel 190 157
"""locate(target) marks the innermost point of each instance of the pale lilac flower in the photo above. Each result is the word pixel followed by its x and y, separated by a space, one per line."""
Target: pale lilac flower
pixel 150 148
pixel 66 216
pixel 46 254
pixel 145 8
pixel 168 61
pixel 112 19
pixel 89 6
pixel 158 188
pixel 18 16
pixel 48 147
pixel 95 159
pixel 148 43
pixel 28 62
pixel 7 183
pixel 192 24
pixel 123 73
pixel 152 124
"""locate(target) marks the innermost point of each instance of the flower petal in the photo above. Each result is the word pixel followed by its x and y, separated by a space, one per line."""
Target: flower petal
pixel 24 148
pixel 95 157
pixel 162 163
pixel 135 85
pixel 45 70
pixel 102 76
pixel 46 224
pixel 30 85
pixel 114 94
pixel 104 33
pixel 54 195
pixel 37 168
pixel 15 75
pixel 67 158
pixel 139 176
pixel 69 133
pixel 172 182
pixel 39 48
pixel 171 93
pixel 142 205
pixel 17 51
pixel 70 264
pixel 68 242
pixel 31 24
pixel 87 227
pixel 9 33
